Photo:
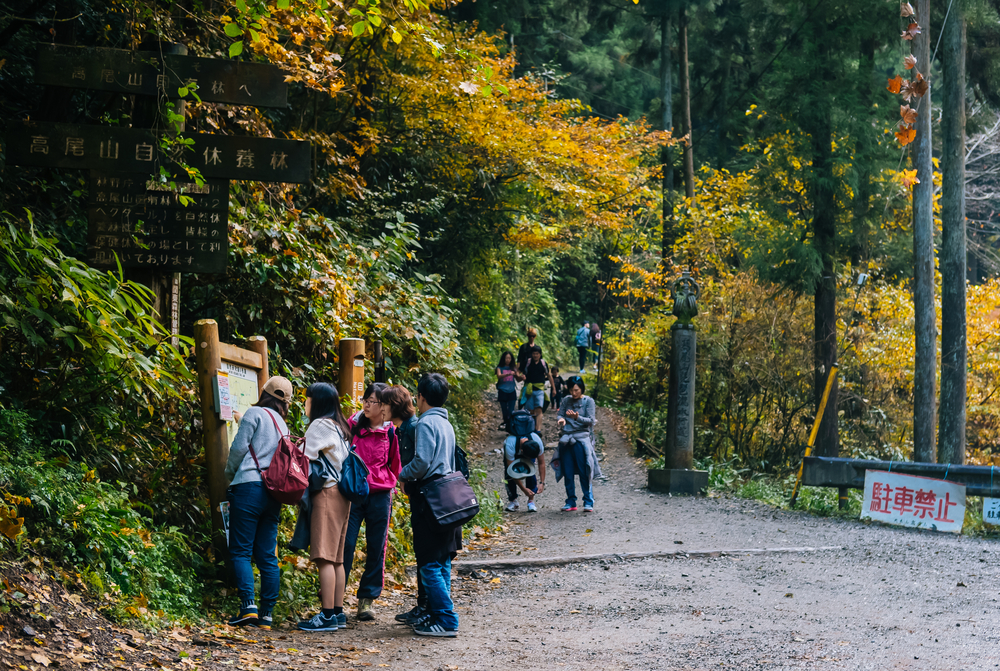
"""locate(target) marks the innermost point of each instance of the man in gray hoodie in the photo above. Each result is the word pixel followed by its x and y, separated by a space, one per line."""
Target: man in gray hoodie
pixel 434 547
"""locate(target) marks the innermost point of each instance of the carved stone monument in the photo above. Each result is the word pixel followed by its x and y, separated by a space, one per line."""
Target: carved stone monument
pixel 679 476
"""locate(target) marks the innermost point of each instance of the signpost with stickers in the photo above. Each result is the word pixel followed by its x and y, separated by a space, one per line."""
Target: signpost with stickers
pixel 229 380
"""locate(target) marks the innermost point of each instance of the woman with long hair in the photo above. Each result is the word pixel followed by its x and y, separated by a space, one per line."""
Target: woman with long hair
pixel 253 513
pixel 375 442
pixel 326 442
pixel 507 376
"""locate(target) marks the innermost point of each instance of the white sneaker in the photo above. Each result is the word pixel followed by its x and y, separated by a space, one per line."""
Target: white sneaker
pixel 512 507
pixel 532 508
pixel 582 371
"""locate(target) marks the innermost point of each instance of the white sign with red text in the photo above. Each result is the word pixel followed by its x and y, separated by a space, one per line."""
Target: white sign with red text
pixel 913 501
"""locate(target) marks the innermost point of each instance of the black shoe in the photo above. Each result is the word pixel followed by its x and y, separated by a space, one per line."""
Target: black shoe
pixel 410 615
pixel 430 628
pixel 246 618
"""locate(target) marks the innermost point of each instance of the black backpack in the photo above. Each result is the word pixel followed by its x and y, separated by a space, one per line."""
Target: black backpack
pixel 520 424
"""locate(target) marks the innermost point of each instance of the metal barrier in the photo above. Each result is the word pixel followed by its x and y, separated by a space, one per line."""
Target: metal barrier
pixel 850 474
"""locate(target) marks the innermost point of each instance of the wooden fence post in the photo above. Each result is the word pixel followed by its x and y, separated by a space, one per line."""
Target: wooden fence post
pixel 209 361
pixel 259 344
pixel 352 376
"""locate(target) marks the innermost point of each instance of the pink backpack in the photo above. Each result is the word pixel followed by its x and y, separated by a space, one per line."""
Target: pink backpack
pixel 287 477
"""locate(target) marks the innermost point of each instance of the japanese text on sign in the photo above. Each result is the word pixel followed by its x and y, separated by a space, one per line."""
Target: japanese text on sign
pixel 913 501
pixel 991 510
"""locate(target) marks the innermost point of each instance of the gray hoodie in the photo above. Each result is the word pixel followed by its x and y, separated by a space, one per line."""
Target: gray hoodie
pixel 435 447
pixel 256 427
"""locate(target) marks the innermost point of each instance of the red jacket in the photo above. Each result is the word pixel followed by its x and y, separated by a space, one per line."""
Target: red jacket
pixel 378 447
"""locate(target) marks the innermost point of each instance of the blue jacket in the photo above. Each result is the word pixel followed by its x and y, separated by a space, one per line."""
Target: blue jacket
pixel 583 337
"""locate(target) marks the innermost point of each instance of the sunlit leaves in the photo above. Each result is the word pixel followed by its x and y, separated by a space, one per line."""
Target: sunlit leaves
pixel 906 10
pixel 910 62
pixel 906 135
pixel 911 31
pixel 895 84
pixel 908 178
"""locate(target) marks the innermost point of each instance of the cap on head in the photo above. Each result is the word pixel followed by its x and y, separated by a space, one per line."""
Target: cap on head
pixel 279 387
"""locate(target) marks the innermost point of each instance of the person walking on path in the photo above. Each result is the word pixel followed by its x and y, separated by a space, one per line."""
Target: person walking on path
pixel 433 545
pixel 375 442
pixel 577 457
pixel 524 351
pixel 582 345
pixel 507 376
pixel 595 342
pixel 528 449
pixel 326 442
pixel 253 513
pixel 536 374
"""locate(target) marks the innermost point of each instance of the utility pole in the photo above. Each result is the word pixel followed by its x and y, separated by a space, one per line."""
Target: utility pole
pixel 925 326
pixel 951 420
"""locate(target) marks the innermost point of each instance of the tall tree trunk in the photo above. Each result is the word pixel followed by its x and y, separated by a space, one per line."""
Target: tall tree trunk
pixel 860 243
pixel 951 420
pixel 925 327
pixel 685 78
pixel 666 101
pixel 825 311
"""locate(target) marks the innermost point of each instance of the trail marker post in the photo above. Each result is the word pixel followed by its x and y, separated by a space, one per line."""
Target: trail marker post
pixel 351 382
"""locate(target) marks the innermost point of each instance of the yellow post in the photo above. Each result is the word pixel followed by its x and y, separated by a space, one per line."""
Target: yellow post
pixel 815 429
pixel 351 382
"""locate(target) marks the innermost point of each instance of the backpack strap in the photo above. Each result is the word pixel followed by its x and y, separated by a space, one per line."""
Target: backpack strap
pixel 253 452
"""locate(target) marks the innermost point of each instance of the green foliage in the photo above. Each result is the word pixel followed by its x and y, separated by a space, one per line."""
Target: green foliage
pixel 96 530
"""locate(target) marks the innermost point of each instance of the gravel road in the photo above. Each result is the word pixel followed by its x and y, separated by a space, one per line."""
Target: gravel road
pixel 888 599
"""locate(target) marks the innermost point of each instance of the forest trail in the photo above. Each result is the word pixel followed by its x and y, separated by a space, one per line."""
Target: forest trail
pixel 884 598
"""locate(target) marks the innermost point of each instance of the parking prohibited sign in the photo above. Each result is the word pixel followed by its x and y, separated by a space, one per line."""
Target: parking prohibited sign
pixel 913 501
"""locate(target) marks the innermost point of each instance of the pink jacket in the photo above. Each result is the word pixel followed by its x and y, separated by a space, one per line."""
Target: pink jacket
pixel 380 454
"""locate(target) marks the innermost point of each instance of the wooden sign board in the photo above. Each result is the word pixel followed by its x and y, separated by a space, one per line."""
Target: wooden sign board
pixel 143 224
pixel 246 372
pixel 131 150
pixel 153 74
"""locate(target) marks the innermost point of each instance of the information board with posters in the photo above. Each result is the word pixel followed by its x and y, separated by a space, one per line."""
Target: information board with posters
pixel 913 501
pixel 243 392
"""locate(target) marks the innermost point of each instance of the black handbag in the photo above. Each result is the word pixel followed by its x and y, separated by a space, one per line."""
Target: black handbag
pixel 451 500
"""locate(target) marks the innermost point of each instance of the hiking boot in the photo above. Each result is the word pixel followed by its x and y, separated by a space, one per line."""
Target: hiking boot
pixel 431 628
pixel 512 507
pixel 532 508
pixel 246 618
pixel 568 508
pixel 320 622
pixel 365 613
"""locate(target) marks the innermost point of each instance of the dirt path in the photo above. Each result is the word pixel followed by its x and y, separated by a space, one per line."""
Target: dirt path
pixel 887 598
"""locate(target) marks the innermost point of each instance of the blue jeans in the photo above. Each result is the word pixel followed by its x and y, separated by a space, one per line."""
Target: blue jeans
pixel 253 532
pixel 573 459
pixel 375 512
pixel 436 577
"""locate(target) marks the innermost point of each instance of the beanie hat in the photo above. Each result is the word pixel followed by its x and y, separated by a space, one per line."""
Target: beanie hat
pixel 279 387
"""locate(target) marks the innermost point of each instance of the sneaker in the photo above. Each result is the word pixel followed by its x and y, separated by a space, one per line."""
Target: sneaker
pixel 434 629
pixel 582 371
pixel 342 620
pixel 365 613
pixel 265 621
pixel 532 508
pixel 320 622
pixel 420 618
pixel 246 618
pixel 588 508
pixel 410 614
pixel 568 508
pixel 512 507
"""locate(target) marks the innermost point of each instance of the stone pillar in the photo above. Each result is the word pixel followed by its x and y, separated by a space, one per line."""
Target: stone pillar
pixel 679 476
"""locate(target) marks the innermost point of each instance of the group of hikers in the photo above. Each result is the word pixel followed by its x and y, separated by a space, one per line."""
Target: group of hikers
pixel 576 458
pixel 395 447
pixel 398 449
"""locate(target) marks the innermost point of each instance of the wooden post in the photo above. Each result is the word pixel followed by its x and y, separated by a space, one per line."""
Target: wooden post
pixel 209 361
pixel 352 376
pixel 258 344
pixel 379 359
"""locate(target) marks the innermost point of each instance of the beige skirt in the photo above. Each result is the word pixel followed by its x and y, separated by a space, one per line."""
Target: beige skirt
pixel 328 525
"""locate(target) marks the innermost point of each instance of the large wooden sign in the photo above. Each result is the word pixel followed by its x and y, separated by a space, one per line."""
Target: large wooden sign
pixel 131 150
pixel 144 224
pixel 150 73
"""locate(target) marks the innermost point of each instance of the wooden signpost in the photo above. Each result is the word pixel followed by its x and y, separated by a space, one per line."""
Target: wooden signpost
pixel 245 372
pixel 351 382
